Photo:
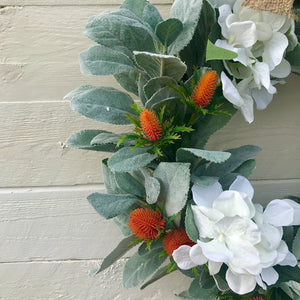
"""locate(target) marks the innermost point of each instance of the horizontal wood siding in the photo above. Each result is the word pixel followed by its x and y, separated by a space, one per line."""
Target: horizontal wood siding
pixel 50 235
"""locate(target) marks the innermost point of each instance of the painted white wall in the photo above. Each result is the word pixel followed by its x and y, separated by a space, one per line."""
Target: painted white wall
pixel 50 237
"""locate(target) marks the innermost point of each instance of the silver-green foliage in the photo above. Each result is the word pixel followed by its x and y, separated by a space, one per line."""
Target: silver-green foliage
pixel 174 180
pixel 110 205
pixel 139 267
pixel 102 104
pixel 127 160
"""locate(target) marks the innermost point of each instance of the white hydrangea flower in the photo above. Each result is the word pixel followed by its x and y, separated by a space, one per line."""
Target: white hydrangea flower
pixel 260 40
pixel 243 236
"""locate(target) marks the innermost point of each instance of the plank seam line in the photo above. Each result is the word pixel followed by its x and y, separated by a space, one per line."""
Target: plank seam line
pixel 70 260
pixel 63 188
pixel 71 5
pixel 101 185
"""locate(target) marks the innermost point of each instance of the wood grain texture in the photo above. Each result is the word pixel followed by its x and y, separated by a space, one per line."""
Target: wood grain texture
pixel 71 2
pixel 70 280
pixel 39 59
pixel 276 130
pixel 58 223
pixel 32 151
pixel 32 136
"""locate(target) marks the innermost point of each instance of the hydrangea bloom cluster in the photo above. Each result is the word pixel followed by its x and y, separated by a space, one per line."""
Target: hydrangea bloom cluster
pixel 235 232
pixel 260 39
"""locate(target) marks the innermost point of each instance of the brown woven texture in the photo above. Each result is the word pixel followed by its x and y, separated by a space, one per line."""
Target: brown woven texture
pixel 281 7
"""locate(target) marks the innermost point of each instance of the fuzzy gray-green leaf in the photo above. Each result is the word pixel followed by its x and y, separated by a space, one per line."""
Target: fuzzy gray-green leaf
pixel 124 246
pixel 238 157
pixel 190 226
pixel 100 60
pixel 157 83
pixel 106 137
pixel 121 30
pixel 156 65
pixel 83 140
pixel 103 104
pixel 130 185
pixel 174 180
pixel 188 12
pixel 187 155
pixel 152 187
pixel 168 30
pixel 144 10
pixel 296 245
pixel 127 160
pixel 160 96
pixel 111 205
pixel 139 267
pixel 129 81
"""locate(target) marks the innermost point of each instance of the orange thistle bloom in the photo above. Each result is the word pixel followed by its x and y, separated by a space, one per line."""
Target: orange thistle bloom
pixel 176 238
pixel 146 223
pixel 150 125
pixel 257 298
pixel 204 90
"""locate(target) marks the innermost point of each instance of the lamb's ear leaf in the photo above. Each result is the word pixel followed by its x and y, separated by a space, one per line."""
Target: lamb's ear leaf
pixel 190 226
pixel 125 245
pixel 121 31
pixel 189 155
pixel 167 31
pixel 238 157
pixel 139 267
pixel 174 181
pixel 127 159
pixel 194 53
pixel 156 65
pixel 188 12
pixel 296 244
pixel 111 205
pixel 144 10
pixel 101 60
pixel 103 104
pixel 83 140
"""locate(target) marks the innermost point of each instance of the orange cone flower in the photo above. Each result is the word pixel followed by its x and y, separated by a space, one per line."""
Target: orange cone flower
pixel 150 125
pixel 146 223
pixel 204 90
pixel 257 298
pixel 176 238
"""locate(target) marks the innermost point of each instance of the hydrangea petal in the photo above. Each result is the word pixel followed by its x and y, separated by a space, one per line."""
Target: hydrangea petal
pixel 264 31
pixel 230 91
pixel 262 98
pixel 274 50
pixel 214 267
pixel 282 70
pixel 216 251
pixel 269 276
pixel 231 203
pixel 283 212
pixel 182 258
pixel 242 184
pixel 224 11
pixel 240 283
pixel 205 195
pixel 242 34
pixel 204 224
pixel 197 256
pixel 290 260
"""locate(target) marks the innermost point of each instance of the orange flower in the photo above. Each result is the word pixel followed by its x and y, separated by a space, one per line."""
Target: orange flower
pixel 176 238
pixel 204 90
pixel 146 223
pixel 257 298
pixel 150 125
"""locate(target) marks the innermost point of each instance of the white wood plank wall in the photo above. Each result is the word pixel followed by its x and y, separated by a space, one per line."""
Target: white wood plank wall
pixel 49 235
